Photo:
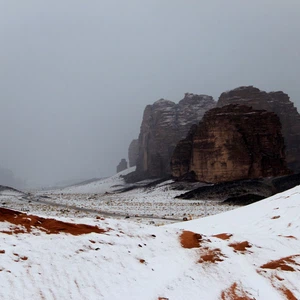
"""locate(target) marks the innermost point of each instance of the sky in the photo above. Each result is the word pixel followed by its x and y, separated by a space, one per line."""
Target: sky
pixel 75 76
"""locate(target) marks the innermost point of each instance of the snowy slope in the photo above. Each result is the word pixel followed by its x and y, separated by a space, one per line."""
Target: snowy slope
pixel 248 253
pixel 101 186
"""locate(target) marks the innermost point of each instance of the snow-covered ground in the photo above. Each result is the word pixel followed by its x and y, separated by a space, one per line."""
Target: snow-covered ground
pixel 106 185
pixel 154 204
pixel 251 252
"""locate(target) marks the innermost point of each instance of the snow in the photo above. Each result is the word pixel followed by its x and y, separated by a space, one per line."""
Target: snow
pixel 101 186
pixel 138 261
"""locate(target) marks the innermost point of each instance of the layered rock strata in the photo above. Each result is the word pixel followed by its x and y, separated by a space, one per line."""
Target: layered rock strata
pixel 231 143
pixel 164 125
pixel 279 103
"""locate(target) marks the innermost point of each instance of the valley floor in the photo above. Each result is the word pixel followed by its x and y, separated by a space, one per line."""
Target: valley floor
pixel 247 253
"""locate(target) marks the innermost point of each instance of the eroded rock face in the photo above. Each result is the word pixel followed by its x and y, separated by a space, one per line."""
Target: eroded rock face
pixel 231 143
pixel 279 103
pixel 122 165
pixel 133 152
pixel 164 124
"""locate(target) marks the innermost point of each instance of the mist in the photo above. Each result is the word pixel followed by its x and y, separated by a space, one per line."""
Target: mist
pixel 76 76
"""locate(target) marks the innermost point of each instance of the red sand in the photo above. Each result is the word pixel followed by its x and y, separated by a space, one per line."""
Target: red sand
pixel 282 263
pixel 234 292
pixel 189 239
pixel 212 256
pixel 289 295
pixel 240 246
pixel 288 236
pixel 223 236
pixel 50 226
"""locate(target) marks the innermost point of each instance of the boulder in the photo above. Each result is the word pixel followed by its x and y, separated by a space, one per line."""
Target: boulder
pixel 231 143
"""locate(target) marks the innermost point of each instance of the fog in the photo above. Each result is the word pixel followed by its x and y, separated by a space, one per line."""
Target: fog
pixel 75 76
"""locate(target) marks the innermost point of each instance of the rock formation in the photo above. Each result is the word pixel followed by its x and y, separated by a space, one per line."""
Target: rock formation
pixel 122 165
pixel 164 124
pixel 231 143
pixel 133 152
pixel 279 103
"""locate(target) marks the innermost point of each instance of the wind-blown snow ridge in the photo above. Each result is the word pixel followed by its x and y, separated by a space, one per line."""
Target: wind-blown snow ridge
pixel 248 253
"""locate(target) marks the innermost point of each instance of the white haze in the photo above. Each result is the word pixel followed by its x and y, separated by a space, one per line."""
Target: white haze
pixel 75 76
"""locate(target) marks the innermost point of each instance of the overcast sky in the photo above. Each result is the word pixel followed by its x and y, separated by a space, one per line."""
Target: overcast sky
pixel 75 76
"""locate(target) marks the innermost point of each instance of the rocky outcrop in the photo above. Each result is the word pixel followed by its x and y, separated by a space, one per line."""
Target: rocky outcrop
pixel 133 152
pixel 164 124
pixel 122 165
pixel 279 103
pixel 241 192
pixel 231 143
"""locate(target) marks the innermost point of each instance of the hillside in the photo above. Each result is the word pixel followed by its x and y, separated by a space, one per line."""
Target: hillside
pixel 247 253
pixel 98 186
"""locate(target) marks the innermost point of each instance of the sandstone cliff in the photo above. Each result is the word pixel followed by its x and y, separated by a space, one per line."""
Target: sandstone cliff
pixel 122 165
pixel 164 124
pixel 231 143
pixel 279 103
pixel 133 152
